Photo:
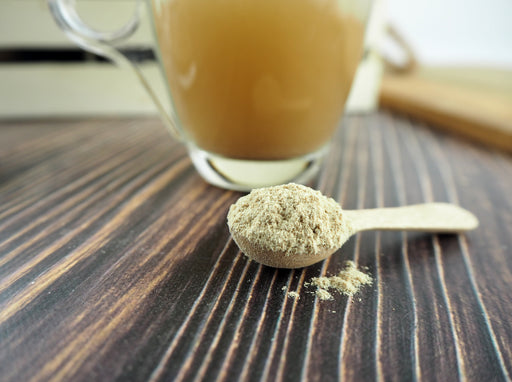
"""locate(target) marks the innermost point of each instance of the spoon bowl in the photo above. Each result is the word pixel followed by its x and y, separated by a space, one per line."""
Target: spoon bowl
pixel 279 259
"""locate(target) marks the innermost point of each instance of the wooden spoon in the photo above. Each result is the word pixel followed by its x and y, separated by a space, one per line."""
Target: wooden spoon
pixel 430 217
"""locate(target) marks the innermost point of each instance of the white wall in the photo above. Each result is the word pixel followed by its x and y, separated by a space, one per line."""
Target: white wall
pixel 456 32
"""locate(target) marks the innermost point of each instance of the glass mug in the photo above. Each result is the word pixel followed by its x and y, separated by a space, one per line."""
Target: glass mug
pixel 257 87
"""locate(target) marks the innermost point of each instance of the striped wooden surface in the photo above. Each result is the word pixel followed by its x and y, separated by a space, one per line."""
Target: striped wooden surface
pixel 116 264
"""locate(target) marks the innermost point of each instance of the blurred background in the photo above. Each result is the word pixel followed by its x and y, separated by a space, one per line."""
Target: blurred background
pixel 445 61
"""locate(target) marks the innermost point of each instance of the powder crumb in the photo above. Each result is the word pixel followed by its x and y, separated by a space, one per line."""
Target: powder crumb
pixel 321 282
pixel 294 295
pixel 323 295
pixel 348 282
pixel 284 287
pixel 343 285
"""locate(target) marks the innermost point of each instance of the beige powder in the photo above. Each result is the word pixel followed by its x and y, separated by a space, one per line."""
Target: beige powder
pixel 348 282
pixel 291 219
pixel 294 295
pixel 322 294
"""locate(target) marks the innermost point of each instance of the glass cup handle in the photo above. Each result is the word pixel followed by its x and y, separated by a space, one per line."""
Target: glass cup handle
pixel 101 43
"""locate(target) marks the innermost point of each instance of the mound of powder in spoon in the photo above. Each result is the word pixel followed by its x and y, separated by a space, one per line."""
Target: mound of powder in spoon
pixel 291 219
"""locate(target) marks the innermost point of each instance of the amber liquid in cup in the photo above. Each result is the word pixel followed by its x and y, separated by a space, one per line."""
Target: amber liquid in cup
pixel 258 79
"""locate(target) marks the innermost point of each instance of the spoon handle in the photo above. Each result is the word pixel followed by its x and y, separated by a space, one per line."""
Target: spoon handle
pixel 429 217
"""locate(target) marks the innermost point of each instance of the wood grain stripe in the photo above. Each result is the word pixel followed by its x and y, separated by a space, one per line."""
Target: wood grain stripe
pixel 377 161
pixel 426 191
pixel 74 209
pixel 256 340
pixel 466 369
pixel 344 360
pixel 446 174
pixel 156 374
pixel 96 166
pixel 397 170
pixel 337 191
pixel 187 371
pixel 121 310
pixel 286 331
pixel 245 330
pixel 280 326
pixel 45 280
pixel 220 330
pixel 32 176
pixel 229 293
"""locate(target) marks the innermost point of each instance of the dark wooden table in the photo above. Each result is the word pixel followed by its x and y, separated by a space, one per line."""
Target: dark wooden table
pixel 116 263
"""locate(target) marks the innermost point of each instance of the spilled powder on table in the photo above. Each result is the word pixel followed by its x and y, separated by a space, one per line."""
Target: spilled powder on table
pixel 294 295
pixel 348 282
pixel 291 294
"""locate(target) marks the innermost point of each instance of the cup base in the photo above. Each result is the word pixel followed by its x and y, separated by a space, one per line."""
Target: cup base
pixel 244 175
